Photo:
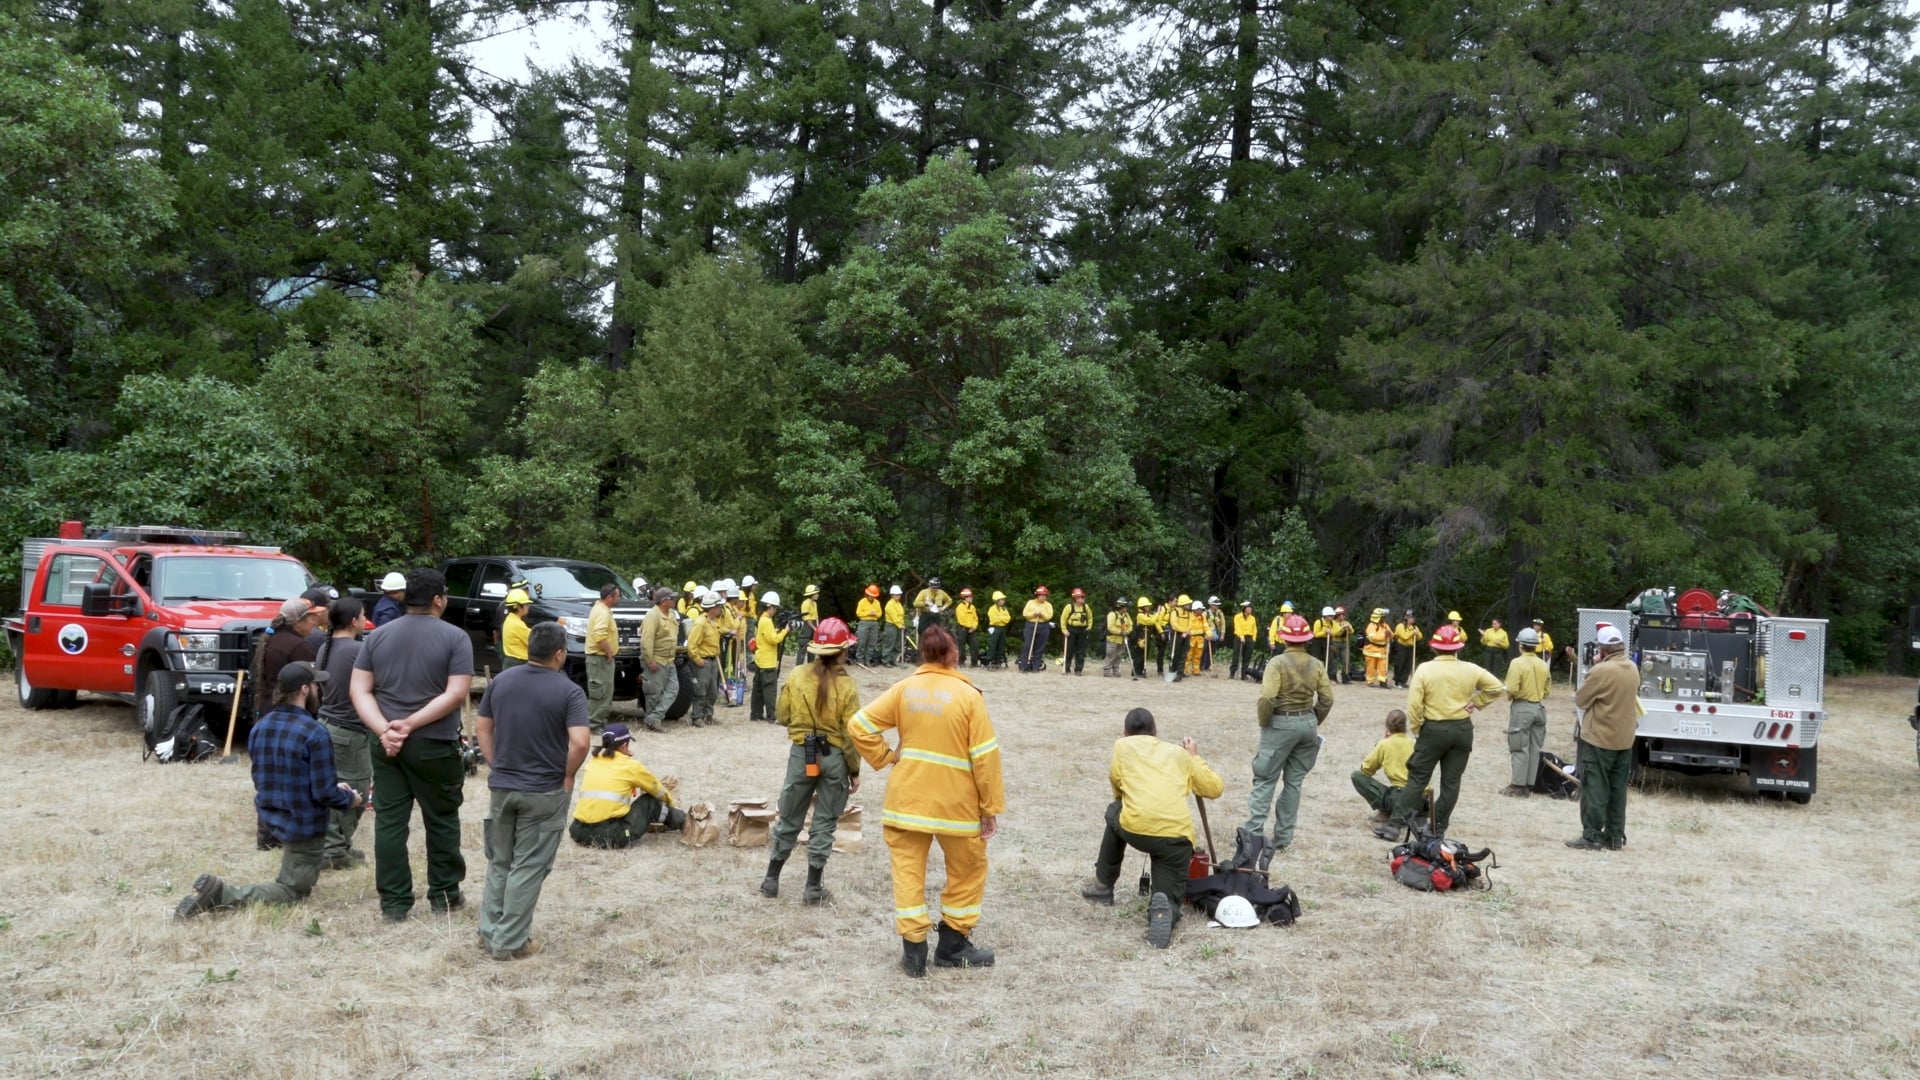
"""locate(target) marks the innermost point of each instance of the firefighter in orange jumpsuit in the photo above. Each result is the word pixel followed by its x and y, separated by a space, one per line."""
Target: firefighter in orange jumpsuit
pixel 945 785
pixel 1379 635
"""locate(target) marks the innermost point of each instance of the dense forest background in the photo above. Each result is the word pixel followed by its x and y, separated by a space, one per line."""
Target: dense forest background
pixel 1503 305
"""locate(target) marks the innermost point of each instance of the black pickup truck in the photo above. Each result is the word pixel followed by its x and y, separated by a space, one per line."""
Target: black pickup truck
pixel 563 591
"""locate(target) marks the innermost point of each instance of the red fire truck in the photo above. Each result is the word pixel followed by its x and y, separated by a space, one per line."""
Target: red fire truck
pixel 154 615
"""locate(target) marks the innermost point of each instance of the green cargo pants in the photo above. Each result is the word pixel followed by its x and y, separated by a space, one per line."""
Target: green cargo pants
pixel 1526 737
pixel 353 765
pixel 1289 746
pixel 427 772
pixel 1378 795
pixel 1603 793
pixel 299 869
pixel 826 793
pixel 523 831
pixel 1442 744
pixel 599 692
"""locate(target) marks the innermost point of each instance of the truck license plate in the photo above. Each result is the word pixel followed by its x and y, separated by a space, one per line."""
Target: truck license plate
pixel 1697 728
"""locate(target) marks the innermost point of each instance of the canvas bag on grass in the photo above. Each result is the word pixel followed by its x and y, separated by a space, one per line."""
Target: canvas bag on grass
pixel 846 835
pixel 702 827
pixel 750 822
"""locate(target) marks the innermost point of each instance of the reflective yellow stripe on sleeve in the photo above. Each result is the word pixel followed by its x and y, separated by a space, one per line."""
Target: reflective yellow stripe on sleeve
pixel 932 758
pixel 984 748
pixel 915 823
pixel 861 719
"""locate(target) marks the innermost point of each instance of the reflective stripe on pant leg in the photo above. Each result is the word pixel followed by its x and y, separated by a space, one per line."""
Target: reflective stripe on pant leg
pixel 907 852
pixel 966 858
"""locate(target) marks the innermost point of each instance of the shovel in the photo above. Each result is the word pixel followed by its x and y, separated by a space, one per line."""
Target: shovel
pixel 233 718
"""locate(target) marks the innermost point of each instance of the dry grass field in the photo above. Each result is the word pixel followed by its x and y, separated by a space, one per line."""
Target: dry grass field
pixel 1737 936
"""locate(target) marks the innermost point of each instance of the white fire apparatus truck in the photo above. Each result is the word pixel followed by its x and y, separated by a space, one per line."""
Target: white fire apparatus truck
pixel 1725 686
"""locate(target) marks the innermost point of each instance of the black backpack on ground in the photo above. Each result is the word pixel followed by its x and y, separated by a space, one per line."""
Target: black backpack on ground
pixel 1246 876
pixel 1552 778
pixel 182 735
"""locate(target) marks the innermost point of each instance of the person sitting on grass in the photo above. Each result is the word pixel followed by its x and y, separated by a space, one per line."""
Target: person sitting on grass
pixel 1151 783
pixel 1389 754
pixel 620 797
pixel 295 794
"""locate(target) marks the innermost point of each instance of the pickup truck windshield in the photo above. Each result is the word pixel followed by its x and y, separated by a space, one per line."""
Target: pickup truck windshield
pixel 183 578
pixel 573 582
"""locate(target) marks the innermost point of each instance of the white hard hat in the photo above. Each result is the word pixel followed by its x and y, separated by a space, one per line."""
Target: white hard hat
pixel 393 582
pixel 895 591
pixel 709 598
pixel 747 582
pixel 770 598
pixel 1235 913
pixel 1198 606
pixel 1326 613
pixel 639 583
pixel 1528 638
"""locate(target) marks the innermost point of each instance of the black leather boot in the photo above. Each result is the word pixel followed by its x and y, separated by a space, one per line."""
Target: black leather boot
pixel 770 885
pixel 913 958
pixel 956 951
pixel 815 893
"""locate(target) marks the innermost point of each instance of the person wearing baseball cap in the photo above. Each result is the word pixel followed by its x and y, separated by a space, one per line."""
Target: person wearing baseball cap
pixel 620 798
pixel 1406 643
pixel 288 637
pixel 1609 704
pixel 295 794
pixel 393 595
pixel 1442 697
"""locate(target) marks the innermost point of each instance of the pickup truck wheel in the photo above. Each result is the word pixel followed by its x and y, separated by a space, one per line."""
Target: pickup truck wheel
pixel 31 696
pixel 157 700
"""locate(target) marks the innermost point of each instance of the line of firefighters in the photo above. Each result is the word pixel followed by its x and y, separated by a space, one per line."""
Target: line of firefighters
pixel 1182 634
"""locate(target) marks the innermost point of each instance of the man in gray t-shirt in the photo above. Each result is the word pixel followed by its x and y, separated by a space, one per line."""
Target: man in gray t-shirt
pixel 533 728
pixel 410 681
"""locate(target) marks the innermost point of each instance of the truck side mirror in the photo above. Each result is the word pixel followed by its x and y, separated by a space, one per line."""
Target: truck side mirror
pixel 97 600
pixel 493 590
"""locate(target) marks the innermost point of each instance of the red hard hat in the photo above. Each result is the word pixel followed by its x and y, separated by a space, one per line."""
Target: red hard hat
pixel 1295 630
pixel 1041 591
pixel 1079 594
pixel 831 636
pixel 1448 639
pixel 964 593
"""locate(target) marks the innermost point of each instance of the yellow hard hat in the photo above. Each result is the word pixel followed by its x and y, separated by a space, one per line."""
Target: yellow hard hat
pixel 998 595
pixel 1143 602
pixel 1184 600
pixel 1453 616
pixel 691 586
pixel 811 590
pixel 517 597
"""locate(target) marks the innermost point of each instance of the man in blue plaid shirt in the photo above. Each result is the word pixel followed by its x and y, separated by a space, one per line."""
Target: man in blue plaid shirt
pixel 295 791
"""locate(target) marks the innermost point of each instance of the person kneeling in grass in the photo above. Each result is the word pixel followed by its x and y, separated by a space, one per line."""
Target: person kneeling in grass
pixel 295 794
pixel 1151 782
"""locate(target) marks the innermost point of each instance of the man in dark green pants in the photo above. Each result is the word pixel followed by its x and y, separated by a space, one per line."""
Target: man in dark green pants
pixel 1442 697
pixel 1608 701
pixel 410 681
pixel 1152 781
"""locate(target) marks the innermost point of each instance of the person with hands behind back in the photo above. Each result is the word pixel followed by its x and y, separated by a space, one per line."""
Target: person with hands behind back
pixel 946 784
